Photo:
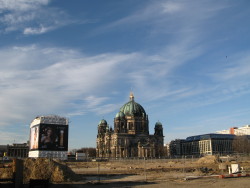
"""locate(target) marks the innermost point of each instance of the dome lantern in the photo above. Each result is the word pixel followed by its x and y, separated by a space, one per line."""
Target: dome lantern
pixel 131 97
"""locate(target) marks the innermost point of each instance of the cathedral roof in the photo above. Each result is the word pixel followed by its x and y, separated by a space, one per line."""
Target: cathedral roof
pixel 132 108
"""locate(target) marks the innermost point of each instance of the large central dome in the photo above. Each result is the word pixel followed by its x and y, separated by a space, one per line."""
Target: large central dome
pixel 132 108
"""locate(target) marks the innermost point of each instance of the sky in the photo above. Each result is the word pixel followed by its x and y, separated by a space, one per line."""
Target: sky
pixel 187 63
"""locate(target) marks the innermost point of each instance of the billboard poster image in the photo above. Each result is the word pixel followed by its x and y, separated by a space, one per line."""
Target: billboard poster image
pixel 34 133
pixel 53 137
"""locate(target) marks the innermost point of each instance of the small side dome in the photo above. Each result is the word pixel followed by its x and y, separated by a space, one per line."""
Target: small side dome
pixel 158 124
pixel 103 121
pixel 120 115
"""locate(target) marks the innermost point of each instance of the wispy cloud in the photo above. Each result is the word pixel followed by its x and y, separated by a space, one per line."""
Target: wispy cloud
pixel 36 80
pixel 172 7
pixel 172 18
pixel 63 79
pixel 235 66
pixel 30 17
pixel 38 30
pixel 172 68
pixel 182 28
pixel 21 5
pixel 57 77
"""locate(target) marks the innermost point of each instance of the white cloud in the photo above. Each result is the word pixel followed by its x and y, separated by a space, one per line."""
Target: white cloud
pixel 237 66
pixel 35 80
pixel 107 108
pixel 92 101
pixel 38 80
pixel 183 33
pixel 30 17
pixel 21 5
pixel 175 18
pixel 172 7
pixel 34 31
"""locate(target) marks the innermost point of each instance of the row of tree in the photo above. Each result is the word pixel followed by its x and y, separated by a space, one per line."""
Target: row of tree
pixel 90 152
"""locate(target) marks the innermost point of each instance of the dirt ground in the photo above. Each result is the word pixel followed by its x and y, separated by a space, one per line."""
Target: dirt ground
pixel 137 173
pixel 156 173
pixel 207 183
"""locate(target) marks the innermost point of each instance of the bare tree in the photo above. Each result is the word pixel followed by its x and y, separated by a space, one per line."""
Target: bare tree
pixel 91 152
pixel 241 144
pixel 73 151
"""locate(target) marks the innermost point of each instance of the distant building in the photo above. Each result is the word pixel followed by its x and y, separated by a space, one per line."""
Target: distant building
pixel 166 150
pixel 81 156
pixel 207 144
pixel 130 137
pixel 71 157
pixel 18 150
pixel 239 131
pixel 175 147
pixel 3 149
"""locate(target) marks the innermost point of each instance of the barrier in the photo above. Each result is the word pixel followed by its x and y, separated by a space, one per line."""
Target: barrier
pixel 234 175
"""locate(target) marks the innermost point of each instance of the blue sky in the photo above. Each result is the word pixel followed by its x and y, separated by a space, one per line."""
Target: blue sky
pixel 187 63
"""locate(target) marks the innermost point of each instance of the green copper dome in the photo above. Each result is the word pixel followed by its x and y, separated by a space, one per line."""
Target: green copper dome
pixel 158 124
pixel 132 108
pixel 103 121
pixel 120 115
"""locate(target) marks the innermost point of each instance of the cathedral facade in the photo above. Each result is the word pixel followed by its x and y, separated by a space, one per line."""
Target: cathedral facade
pixel 130 136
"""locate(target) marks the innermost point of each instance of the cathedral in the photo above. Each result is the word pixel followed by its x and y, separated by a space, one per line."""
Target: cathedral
pixel 130 136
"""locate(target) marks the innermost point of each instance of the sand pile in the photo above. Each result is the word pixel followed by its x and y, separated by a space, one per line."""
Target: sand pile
pixel 6 173
pixel 43 168
pixel 208 160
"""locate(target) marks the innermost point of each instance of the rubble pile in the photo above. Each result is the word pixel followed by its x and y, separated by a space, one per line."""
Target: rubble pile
pixel 209 159
pixel 6 173
pixel 43 168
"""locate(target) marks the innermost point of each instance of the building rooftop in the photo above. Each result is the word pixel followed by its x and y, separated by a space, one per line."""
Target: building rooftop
pixel 209 136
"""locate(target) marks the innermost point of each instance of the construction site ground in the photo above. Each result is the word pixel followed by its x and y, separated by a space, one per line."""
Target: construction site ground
pixel 136 173
pixel 156 173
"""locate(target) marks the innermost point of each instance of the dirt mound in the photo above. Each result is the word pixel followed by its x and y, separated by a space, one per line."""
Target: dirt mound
pixel 208 160
pixel 43 168
pixel 6 173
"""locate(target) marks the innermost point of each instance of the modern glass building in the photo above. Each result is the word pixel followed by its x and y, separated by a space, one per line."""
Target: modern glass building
pixel 206 144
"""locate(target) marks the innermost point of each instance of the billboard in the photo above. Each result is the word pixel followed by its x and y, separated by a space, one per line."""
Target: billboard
pixel 53 137
pixel 49 137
